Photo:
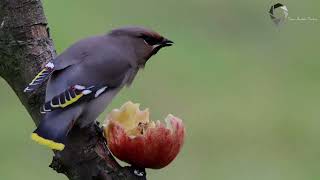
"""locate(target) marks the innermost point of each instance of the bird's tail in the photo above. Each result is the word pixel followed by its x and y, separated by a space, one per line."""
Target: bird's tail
pixel 53 129
pixel 53 144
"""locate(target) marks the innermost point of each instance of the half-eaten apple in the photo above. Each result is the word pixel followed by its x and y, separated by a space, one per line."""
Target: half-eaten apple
pixel 133 138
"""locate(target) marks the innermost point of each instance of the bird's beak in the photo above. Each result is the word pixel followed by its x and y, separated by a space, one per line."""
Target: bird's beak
pixel 166 42
pixel 157 47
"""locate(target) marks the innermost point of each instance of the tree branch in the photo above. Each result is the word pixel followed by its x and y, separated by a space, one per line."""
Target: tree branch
pixel 25 46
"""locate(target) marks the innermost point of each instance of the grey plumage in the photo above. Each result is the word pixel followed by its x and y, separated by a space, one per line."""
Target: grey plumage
pixel 94 70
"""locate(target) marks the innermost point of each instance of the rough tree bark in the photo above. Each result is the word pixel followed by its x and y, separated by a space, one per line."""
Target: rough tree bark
pixel 25 46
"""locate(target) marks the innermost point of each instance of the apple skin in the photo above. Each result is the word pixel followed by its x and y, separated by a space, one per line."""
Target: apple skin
pixel 155 148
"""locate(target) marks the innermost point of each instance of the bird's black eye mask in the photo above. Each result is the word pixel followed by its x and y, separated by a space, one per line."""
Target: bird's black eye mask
pixel 156 42
pixel 151 40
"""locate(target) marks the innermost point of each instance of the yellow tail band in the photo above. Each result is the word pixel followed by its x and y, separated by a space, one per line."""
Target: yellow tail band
pixel 51 144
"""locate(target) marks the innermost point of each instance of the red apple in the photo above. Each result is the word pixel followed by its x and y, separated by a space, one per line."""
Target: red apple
pixel 134 139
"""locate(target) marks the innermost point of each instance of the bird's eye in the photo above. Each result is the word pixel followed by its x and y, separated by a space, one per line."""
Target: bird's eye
pixel 150 40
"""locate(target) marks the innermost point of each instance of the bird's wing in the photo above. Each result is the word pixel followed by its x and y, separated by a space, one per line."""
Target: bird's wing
pixel 40 78
pixel 72 95
pixel 86 81
pixel 75 54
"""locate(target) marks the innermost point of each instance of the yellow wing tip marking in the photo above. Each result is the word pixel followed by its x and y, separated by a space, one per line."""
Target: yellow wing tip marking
pixel 71 101
pixel 38 75
pixel 51 144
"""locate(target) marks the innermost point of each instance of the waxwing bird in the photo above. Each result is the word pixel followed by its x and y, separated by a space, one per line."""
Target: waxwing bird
pixel 84 79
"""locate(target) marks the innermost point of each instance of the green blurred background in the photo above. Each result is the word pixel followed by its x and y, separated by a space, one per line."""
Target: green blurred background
pixel 247 91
